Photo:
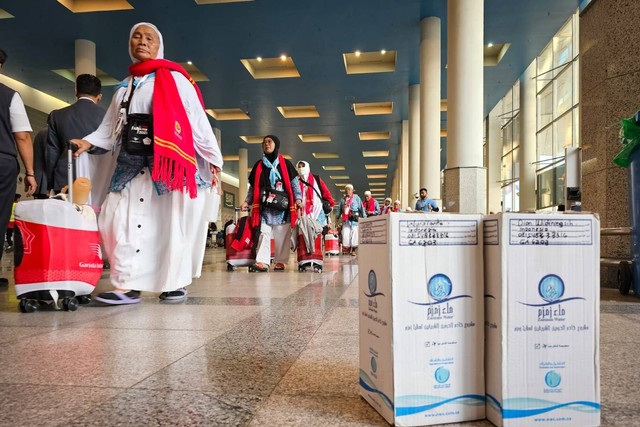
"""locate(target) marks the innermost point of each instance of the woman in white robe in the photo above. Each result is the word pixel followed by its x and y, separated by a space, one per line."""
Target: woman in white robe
pixel 154 237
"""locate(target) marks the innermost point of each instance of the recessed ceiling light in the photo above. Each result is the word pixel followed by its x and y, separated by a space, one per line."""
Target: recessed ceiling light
pixel 6 15
pixel 299 111
pixel 494 52
pixel 231 158
pixel 227 114
pixel 357 53
pixel 383 51
pixel 271 68
pixel 490 44
pixel 378 153
pixel 259 58
pixel 377 176
pixel 377 166
pixel 370 62
pixel 341 184
pixel 252 139
pixel 95 6
pixel 283 57
pixel 378 184
pixel 189 62
pixel 372 136
pixel 333 168
pixel 326 155
pixel 339 176
pixel 315 137
pixel 371 108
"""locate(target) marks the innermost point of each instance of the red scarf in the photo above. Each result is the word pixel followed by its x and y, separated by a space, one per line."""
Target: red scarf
pixel 347 208
pixel 174 160
pixel 369 205
pixel 255 207
pixel 386 209
pixel 308 192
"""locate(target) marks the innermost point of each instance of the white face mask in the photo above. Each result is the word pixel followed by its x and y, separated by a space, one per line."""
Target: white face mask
pixel 303 171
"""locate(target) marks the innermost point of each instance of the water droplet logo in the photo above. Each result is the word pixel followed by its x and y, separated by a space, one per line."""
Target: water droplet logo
pixel 551 288
pixel 442 375
pixel 552 379
pixel 373 282
pixel 439 287
pixel 374 365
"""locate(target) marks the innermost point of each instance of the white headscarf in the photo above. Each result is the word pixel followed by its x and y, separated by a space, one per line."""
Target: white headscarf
pixel 304 170
pixel 154 28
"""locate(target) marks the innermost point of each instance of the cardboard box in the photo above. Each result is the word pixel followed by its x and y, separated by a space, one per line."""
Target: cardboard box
pixel 421 317
pixel 542 307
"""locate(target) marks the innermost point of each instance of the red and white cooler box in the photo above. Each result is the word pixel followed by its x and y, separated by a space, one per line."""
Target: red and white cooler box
pixel 61 248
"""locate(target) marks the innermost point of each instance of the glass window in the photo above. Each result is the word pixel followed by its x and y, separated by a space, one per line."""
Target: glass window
pixel 507 138
pixel 545 107
pixel 545 148
pixel 516 163
pixel 564 91
pixel 507 165
pixel 516 131
pixel 545 62
pixel 563 128
pixel 563 44
pixel 507 198
pixel 516 196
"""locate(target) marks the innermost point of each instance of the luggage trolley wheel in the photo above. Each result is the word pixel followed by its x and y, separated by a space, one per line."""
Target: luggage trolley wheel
pixel 317 268
pixel 231 267
pixel 28 305
pixel 70 304
pixel 624 277
pixel 302 268
pixel 83 299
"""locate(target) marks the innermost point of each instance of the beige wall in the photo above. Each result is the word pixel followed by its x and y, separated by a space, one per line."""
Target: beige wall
pixel 610 91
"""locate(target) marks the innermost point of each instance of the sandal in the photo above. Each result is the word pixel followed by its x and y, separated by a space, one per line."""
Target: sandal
pixel 259 266
pixel 279 267
pixel 174 296
pixel 119 298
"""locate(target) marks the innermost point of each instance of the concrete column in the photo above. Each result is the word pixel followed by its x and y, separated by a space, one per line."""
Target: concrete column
pixel 494 160
pixel 243 174
pixel 404 180
pixel 430 95
pixel 465 179
pixel 414 142
pixel 85 51
pixel 527 151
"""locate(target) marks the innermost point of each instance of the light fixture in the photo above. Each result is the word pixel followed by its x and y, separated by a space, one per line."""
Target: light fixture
pixel 383 51
pixel 283 57
pixel 357 52
pixel 489 44
pixel 189 62
pixel 259 58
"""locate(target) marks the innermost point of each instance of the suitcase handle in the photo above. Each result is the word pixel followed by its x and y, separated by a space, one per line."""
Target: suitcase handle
pixel 71 148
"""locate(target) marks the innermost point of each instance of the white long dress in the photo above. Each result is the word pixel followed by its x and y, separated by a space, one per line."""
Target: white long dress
pixel 156 242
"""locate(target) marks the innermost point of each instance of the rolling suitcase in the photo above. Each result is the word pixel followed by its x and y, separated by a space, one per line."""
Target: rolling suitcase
pixel 58 260
pixel 243 258
pixel 331 244
pixel 309 259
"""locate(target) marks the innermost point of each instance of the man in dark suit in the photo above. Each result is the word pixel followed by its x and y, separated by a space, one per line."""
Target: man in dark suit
pixel 75 121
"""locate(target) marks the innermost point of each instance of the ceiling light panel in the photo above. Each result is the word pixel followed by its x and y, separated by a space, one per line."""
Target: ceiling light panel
pixel 227 114
pixel 70 74
pixel 370 62
pixel 333 168
pixel 315 137
pixel 219 1
pixel 271 68
pixel 5 15
pixel 377 176
pixel 494 52
pixel 372 108
pixel 194 72
pixel 377 166
pixel 252 139
pixel 339 176
pixel 326 155
pixel 373 136
pixel 378 153
pixel 299 112
pixel 231 158
pixel 83 6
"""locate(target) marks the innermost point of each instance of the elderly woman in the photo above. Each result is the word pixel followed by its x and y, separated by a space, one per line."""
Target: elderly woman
pixel 153 222
pixel 351 209
pixel 386 208
pixel 396 206
pixel 313 190
pixel 273 199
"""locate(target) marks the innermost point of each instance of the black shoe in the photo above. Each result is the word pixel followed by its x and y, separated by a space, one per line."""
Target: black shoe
pixel 174 296
pixel 119 298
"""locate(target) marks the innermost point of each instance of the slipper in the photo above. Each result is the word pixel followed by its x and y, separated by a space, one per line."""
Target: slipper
pixel 174 296
pixel 119 298
pixel 279 267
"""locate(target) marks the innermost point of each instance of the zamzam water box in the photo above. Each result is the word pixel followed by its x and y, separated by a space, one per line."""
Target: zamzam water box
pixel 421 317
pixel 542 319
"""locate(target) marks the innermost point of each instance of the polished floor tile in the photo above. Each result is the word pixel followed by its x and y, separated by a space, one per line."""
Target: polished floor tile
pixel 258 349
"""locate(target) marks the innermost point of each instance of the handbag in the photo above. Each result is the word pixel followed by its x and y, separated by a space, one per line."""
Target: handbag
pixel 326 207
pixel 137 138
pixel 274 199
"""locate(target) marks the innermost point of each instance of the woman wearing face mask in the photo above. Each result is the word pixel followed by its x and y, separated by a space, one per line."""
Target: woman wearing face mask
pixel 273 199
pixel 152 222
pixel 351 209
pixel 313 190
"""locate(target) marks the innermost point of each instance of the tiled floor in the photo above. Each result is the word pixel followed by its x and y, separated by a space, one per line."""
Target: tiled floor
pixel 276 349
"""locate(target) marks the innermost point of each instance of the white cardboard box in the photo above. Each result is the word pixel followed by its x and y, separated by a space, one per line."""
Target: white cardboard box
pixel 421 317
pixel 542 303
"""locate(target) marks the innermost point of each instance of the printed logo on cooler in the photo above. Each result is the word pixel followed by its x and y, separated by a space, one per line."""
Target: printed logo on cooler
pixel 372 284
pixel 374 364
pixel 439 289
pixel 442 375
pixel 551 289
pixel 552 379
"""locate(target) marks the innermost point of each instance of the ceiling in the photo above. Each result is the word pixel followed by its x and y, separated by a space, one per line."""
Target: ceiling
pixel 313 33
